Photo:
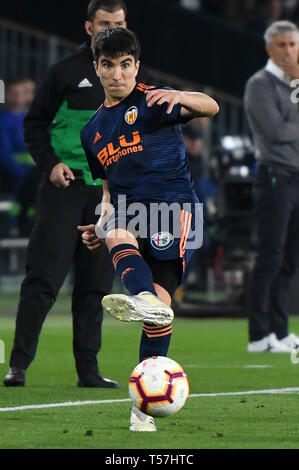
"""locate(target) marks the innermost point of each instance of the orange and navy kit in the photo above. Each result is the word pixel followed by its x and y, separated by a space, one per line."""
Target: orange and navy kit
pixel 140 151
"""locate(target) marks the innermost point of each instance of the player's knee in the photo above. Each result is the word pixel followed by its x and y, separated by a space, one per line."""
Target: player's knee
pixel 118 237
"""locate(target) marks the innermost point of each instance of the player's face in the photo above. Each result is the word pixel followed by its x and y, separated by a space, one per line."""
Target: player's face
pixel 105 20
pixel 284 47
pixel 118 75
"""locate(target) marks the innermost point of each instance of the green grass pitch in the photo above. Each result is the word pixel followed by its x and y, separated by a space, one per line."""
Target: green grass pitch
pixel 213 353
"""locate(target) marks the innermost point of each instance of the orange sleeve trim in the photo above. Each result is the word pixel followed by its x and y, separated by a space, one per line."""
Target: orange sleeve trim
pixel 142 87
pixel 146 86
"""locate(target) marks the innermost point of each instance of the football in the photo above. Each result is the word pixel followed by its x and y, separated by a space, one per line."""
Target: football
pixel 159 386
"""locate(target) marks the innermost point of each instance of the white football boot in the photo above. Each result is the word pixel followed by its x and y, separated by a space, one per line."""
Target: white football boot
pixel 141 422
pixel 145 307
pixel 269 343
pixel 291 341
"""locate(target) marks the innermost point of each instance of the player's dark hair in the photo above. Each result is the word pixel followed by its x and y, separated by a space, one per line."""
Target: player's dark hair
pixel 115 43
pixel 107 5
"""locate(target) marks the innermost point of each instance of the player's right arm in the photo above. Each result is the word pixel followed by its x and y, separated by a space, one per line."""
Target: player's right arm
pixel 40 116
pixel 193 104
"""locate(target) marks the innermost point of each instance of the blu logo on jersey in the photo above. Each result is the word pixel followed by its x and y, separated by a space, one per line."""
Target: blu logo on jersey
pixel 131 115
pixel 123 149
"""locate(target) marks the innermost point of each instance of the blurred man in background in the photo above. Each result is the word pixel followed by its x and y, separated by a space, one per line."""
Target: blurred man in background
pixel 274 121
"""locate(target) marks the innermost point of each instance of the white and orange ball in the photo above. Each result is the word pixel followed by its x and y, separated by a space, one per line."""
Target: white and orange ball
pixel 159 386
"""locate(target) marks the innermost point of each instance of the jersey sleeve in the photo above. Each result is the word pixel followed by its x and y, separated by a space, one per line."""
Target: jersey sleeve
pixel 95 167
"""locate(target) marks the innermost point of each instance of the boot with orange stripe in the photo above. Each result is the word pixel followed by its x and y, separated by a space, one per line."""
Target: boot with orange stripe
pixel 145 307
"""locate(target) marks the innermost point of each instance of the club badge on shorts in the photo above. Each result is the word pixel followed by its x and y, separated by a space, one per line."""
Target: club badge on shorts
pixel 162 240
pixel 131 115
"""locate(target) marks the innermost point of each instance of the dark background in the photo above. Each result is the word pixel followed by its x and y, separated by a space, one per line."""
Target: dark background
pixel 189 45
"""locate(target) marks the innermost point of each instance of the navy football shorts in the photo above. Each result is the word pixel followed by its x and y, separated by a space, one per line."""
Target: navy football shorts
pixel 167 239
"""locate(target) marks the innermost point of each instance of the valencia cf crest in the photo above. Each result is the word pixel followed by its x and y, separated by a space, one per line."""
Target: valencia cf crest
pixel 162 240
pixel 131 115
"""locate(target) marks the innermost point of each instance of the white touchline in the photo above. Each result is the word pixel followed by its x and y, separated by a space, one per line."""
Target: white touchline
pixel 226 366
pixel 257 366
pixel 65 404
pixel 121 400
pixel 248 392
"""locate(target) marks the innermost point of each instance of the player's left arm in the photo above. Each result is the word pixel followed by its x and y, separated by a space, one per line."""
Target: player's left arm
pixel 193 104
pixel 93 235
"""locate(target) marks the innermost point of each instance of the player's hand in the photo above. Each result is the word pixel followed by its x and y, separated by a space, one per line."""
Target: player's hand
pixel 61 175
pixel 172 97
pixel 89 238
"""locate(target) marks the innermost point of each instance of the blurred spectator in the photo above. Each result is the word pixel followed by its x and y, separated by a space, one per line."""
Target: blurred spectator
pixel 267 11
pixel 233 11
pixel 206 190
pixel 203 183
pixel 194 143
pixel 214 8
pixel 18 171
pixel 15 161
pixel 256 15
pixel 291 10
pixel 193 5
pixel 29 89
pixel 23 208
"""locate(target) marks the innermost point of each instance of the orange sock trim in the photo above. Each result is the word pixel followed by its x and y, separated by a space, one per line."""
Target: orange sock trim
pixel 157 331
pixel 122 254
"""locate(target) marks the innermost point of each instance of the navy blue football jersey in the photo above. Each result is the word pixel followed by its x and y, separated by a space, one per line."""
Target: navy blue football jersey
pixel 139 150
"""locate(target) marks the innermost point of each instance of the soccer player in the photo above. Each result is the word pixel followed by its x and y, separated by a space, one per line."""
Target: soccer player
pixel 134 144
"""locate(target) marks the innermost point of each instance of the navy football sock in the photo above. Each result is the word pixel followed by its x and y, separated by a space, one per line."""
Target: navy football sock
pixel 132 269
pixel 154 341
